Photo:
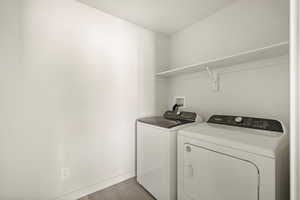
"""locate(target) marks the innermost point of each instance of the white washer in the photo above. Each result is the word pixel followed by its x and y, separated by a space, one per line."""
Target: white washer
pixel 157 153
pixel 233 158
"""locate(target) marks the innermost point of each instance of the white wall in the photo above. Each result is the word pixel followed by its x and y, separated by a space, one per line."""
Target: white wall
pixel 84 78
pixel 258 89
pixel 241 26
pixel 10 103
pixel 250 89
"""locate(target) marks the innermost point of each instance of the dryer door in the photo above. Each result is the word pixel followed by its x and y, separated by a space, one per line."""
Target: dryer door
pixel 212 175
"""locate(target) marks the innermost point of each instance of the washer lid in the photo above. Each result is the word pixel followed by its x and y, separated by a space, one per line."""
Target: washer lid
pixel 260 142
pixel 163 122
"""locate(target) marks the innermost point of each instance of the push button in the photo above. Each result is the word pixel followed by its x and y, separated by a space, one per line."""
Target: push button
pixel 238 119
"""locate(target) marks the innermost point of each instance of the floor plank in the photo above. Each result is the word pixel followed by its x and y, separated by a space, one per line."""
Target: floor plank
pixel 127 190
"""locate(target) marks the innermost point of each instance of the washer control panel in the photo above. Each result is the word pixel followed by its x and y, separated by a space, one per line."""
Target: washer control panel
pixel 247 122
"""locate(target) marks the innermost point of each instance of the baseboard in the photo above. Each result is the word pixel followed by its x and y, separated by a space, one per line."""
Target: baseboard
pixel 75 195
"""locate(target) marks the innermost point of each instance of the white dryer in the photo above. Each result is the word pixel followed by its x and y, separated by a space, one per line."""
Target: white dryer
pixel 233 158
pixel 157 152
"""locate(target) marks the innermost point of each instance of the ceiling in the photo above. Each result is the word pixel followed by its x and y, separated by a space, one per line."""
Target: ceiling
pixel 165 16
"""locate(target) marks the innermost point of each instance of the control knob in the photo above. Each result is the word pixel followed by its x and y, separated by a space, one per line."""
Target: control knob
pixel 238 119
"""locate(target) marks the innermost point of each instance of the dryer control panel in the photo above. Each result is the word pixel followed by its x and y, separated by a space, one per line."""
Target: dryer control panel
pixel 247 122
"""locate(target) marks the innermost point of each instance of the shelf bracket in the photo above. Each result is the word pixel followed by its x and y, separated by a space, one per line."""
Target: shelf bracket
pixel 214 77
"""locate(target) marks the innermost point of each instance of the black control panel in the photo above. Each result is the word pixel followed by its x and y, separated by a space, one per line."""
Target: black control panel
pixel 247 122
pixel 183 116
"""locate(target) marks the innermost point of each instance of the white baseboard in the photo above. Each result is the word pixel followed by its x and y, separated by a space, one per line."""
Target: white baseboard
pixel 75 195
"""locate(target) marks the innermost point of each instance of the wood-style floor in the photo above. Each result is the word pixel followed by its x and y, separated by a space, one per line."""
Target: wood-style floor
pixel 127 190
